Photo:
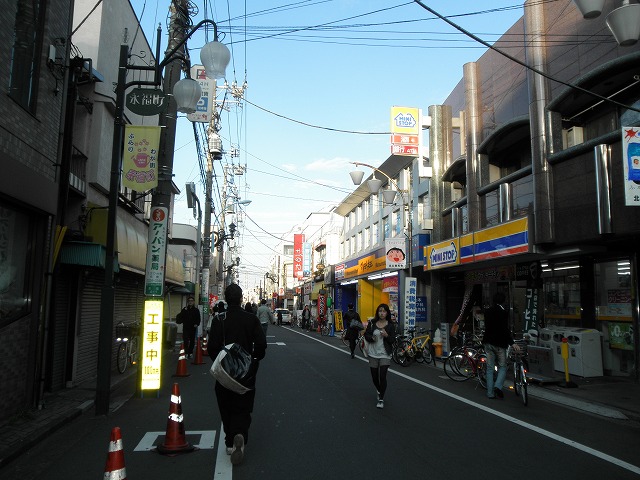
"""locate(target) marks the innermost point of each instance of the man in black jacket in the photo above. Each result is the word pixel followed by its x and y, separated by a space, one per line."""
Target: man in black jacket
pixel 189 317
pixel 242 327
pixel 353 331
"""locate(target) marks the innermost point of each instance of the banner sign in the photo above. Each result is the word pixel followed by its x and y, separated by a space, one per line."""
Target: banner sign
pixel 156 252
pixel 405 131
pixel 631 163
pixel 395 252
pixel 410 301
pixel 205 106
pixel 531 312
pixel 298 240
pixel 140 159
pixel 306 259
pixel 151 357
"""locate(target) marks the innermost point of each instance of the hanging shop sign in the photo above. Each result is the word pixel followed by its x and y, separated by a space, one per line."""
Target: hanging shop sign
pixel 146 101
pixel 410 301
pixel 631 163
pixel 405 131
pixel 204 107
pixel 395 252
pixel 140 158
pixel 298 241
pixel 156 252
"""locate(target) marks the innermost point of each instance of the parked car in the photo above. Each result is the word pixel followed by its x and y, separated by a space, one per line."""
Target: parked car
pixel 286 315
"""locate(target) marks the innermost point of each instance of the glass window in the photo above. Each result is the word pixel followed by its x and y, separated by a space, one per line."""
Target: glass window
pixel 491 215
pixel 358 214
pixel 359 244
pixel 375 203
pixel 387 227
pixel 367 237
pixel 365 208
pixel 15 263
pixel 561 293
pixel 522 195
pixel 614 319
pixel 375 234
pixel 398 222
pixel 352 244
pixel 27 41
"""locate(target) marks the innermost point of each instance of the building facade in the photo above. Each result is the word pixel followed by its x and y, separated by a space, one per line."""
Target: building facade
pixel 538 198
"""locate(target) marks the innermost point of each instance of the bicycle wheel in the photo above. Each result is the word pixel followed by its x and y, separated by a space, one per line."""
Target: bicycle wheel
pixel 121 359
pixel 402 353
pixel 133 350
pixel 523 385
pixel 458 367
pixel 428 354
pixel 481 369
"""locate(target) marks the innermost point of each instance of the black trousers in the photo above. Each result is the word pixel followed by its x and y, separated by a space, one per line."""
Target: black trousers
pixel 235 410
pixel 189 339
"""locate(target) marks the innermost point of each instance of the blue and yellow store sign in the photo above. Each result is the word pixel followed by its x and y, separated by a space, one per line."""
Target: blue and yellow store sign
pixel 510 238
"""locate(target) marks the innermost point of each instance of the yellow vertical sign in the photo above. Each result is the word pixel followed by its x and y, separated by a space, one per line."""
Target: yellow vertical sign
pixel 140 158
pixel 151 361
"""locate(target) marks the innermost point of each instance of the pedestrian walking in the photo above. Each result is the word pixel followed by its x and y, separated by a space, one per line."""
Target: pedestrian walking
pixel 248 307
pixel 306 317
pixel 189 317
pixel 279 317
pixel 265 315
pixel 379 334
pixel 354 326
pixel 497 337
pixel 242 327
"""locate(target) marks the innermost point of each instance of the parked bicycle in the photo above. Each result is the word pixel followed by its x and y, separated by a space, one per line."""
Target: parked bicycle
pixel 466 361
pixel 359 342
pixel 520 367
pixel 127 335
pixel 409 348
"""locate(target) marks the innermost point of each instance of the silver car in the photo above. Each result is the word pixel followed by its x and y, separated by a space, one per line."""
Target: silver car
pixel 286 315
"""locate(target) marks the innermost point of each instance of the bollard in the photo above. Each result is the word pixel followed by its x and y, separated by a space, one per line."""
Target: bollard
pixel 564 351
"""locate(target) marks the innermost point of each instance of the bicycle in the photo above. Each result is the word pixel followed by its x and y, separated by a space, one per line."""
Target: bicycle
pixel 466 361
pixel 413 347
pixel 128 338
pixel 359 342
pixel 520 367
pixel 325 328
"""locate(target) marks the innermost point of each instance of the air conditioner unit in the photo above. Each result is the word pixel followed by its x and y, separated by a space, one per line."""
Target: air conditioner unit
pixel 572 136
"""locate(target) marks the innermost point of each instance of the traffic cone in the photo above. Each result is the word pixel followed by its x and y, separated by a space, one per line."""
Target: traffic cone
pixel 181 371
pixel 175 441
pixel 114 469
pixel 197 359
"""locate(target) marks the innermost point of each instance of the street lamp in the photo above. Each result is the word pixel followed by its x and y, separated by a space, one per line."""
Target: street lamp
pixel 407 283
pixel 163 190
pixel 624 21
pixel 389 196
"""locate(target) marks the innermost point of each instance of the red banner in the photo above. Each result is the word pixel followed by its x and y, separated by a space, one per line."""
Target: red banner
pixel 298 240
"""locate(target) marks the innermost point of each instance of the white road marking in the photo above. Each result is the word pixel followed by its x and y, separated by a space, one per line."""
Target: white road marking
pixel 224 469
pixel 571 443
pixel 207 440
pixel 276 343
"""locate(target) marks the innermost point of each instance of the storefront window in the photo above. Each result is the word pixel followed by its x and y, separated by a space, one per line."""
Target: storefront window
pixel 14 264
pixel 561 293
pixel 613 315
pixel 490 212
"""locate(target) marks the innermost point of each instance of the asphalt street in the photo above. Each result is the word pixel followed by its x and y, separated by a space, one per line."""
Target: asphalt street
pixel 316 418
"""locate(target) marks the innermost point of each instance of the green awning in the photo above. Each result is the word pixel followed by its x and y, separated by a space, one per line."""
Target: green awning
pixel 86 254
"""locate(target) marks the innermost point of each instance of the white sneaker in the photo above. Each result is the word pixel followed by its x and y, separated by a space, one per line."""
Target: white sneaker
pixel 380 404
pixel 237 454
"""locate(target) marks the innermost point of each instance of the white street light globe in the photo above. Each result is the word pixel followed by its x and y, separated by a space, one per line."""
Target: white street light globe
pixel 215 57
pixel 187 93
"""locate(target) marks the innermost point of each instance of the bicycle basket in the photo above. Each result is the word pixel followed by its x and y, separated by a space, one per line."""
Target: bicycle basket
pixel 127 331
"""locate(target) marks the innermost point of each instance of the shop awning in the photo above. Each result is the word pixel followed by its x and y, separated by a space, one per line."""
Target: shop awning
pixel 131 245
pixel 86 254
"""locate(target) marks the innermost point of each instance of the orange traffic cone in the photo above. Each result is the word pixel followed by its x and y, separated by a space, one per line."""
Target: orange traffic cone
pixel 181 371
pixel 197 359
pixel 114 469
pixel 175 441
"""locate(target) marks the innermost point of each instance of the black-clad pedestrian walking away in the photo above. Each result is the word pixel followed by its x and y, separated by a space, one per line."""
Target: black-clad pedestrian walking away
pixel 241 327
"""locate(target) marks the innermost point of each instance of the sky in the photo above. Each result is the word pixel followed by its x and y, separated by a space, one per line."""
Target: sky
pixel 321 77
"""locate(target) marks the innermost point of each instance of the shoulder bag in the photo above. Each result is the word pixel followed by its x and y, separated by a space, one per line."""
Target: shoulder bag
pixel 232 367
